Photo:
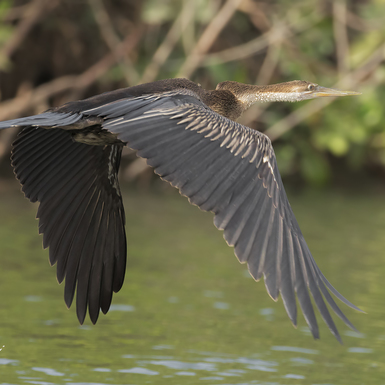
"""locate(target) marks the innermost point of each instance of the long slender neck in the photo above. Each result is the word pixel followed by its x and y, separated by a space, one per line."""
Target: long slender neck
pixel 270 93
pixel 247 94
pixel 231 99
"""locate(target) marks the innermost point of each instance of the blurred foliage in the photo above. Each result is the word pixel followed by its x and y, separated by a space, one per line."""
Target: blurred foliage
pixel 330 43
pixel 6 30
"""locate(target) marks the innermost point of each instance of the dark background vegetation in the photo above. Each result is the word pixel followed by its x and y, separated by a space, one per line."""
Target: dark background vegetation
pixel 53 51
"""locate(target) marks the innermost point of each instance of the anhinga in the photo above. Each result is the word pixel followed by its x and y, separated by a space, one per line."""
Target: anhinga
pixel 68 157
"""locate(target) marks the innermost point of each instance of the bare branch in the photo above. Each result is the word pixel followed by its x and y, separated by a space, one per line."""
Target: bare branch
pixel 32 98
pixel 111 39
pixel 257 16
pixel 165 49
pixel 341 36
pixel 14 13
pixel 273 36
pixel 31 15
pixel 269 64
pixel 356 22
pixel 208 37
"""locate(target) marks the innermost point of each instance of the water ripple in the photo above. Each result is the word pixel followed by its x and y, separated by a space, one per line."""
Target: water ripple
pixel 185 374
pixel 139 371
pixel 294 349
pixel 221 305
pixel 301 360
pixel 48 371
pixel 352 333
pixel 211 378
pixel 360 350
pixel 172 364
pixel 121 308
pixel 6 361
pixel 162 347
pixel 294 376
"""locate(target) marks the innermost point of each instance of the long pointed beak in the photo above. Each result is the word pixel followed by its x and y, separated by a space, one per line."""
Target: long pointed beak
pixel 323 91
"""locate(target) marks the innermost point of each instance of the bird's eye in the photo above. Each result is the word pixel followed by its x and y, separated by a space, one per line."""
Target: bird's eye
pixel 311 87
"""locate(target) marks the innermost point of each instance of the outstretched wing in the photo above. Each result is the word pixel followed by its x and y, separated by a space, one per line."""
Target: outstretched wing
pixel 80 214
pixel 231 170
pixel 226 168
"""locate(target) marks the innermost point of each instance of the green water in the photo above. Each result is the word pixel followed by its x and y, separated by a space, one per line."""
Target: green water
pixel 188 313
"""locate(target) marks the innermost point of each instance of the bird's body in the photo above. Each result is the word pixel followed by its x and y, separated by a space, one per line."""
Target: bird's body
pixel 68 157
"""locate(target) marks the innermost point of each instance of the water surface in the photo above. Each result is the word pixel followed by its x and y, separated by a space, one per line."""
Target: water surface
pixel 188 312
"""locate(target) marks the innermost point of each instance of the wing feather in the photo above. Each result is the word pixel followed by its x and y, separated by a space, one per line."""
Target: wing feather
pixel 46 119
pixel 76 185
pixel 79 236
pixel 242 216
pixel 94 284
pixel 220 165
pixel 270 268
pixel 231 170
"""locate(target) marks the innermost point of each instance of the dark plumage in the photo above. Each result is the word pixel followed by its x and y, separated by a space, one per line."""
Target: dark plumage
pixel 68 157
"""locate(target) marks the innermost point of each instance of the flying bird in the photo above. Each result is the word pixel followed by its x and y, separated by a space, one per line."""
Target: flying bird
pixel 68 158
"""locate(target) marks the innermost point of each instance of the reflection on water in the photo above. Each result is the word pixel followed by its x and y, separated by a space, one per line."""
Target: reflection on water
pixel 294 349
pixel 48 372
pixel 301 360
pixel 122 308
pixel 294 376
pixel 352 333
pixel 197 365
pixel 32 298
pixel 186 313
pixel 360 350
pixel 139 371
pixel 221 305
pixel 5 361
pixel 204 366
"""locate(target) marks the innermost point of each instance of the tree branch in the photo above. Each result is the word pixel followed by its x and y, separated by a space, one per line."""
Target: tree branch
pixel 31 15
pixel 16 106
pixel 112 40
pixel 208 37
pixel 165 49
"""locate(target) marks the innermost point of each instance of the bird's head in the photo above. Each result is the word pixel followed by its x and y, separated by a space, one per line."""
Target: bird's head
pixel 298 90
